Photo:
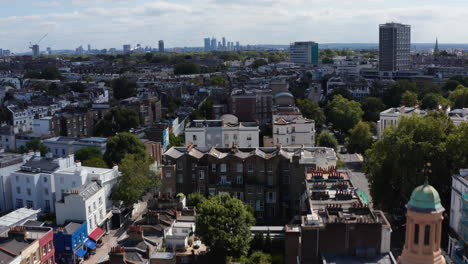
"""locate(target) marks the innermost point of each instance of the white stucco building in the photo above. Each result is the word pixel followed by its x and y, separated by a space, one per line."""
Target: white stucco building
pixel 222 133
pixel 76 176
pixel 32 186
pixel 84 203
pixel 8 163
pixel 458 213
pixel 392 116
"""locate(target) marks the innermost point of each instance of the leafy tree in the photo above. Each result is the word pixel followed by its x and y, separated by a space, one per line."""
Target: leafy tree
pixel 360 138
pixel 136 179
pixel 392 96
pixel 457 143
pixel 176 141
pixel 459 97
pixel 257 257
pixel 257 241
pixel 325 139
pixel 312 110
pixel 194 199
pixel 463 80
pixel 409 98
pixel 87 153
pixel 36 145
pixel 327 60
pixel 259 63
pixel 343 113
pixel 268 244
pixel 120 145
pixel 123 88
pixel 450 85
pixel 223 223
pixel 372 106
pixel 186 68
pixel 5 114
pixel 341 90
pixel 47 73
pixel 96 163
pixel 218 80
pixel 433 100
pixel 394 164
pixel 119 119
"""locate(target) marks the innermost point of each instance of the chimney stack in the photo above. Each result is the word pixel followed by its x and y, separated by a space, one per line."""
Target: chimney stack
pixel 135 233
pixel 117 255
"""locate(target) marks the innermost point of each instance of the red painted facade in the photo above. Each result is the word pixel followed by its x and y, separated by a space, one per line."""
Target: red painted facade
pixel 46 248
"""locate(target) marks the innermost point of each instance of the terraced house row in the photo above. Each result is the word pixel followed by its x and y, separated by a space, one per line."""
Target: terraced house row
pixel 271 180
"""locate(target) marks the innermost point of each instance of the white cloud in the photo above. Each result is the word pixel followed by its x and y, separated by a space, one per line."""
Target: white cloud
pixel 108 23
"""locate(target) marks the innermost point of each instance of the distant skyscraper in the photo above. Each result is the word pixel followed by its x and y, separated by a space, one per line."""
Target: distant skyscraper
pixel 237 45
pixel 394 47
pixel 127 48
pixel 89 48
pixel 213 44
pixel 224 43
pixel 436 49
pixel 1 52
pixel 161 46
pixel 207 44
pixel 49 51
pixel 304 52
pixel 35 50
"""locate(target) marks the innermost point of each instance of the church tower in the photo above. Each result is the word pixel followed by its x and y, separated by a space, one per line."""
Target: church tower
pixel 436 49
pixel 423 228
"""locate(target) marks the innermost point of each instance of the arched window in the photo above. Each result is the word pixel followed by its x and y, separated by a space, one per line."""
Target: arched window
pixel 427 234
pixel 416 234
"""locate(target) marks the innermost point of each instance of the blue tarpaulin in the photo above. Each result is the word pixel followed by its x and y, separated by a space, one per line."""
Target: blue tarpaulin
pixel 89 244
pixel 80 253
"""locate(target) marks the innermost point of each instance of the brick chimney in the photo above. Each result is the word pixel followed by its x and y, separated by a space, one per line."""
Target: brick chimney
pixel 135 233
pixel 117 255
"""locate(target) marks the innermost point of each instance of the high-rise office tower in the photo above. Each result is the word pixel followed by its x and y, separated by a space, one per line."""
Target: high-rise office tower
pixel 207 44
pixel 237 45
pixel 224 43
pixel 49 51
pixel 161 46
pixel 304 52
pixel 213 44
pixel 394 47
pixel 127 48
pixel 1 52
pixel 35 50
pixel 89 48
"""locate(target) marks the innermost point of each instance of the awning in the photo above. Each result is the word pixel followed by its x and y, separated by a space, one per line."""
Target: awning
pixel 97 234
pixel 89 244
pixel 80 253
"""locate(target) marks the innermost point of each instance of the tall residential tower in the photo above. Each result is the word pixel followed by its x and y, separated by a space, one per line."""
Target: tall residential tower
pixel 394 47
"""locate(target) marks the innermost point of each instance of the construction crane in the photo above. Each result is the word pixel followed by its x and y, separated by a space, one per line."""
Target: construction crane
pixel 35 47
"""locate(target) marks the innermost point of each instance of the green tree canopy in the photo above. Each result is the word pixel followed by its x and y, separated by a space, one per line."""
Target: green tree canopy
pixel 457 143
pixel 223 223
pixel 459 97
pixel 450 85
pixel 136 179
pixel 195 199
pixel 257 257
pixel 77 87
pixel 120 145
pixel 186 68
pixel 96 163
pixel 392 95
pixel 325 139
pixel 259 63
pixel 343 113
pixel 123 88
pixel 87 153
pixel 372 106
pixel 360 138
pixel 409 98
pixel 340 90
pixel 218 80
pixel 37 146
pixel 119 119
pixel 394 164
pixel 432 101
pixel 47 73
pixel 312 110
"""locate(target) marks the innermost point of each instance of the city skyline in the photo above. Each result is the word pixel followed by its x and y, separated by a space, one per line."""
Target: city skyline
pixel 185 23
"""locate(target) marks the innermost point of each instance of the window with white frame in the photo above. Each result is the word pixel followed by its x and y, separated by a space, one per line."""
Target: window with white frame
pixel 239 179
pixel 271 197
pixel 213 167
pixel 239 167
pixel 223 179
pixel 202 174
pixel 223 167
pixel 168 174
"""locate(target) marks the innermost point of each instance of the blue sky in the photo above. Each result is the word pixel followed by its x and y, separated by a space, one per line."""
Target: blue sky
pixel 112 23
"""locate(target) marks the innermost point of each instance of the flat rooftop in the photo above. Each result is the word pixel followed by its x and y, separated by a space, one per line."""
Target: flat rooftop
pixel 17 216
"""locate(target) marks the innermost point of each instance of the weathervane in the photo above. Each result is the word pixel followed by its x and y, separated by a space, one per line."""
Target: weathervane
pixel 426 171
